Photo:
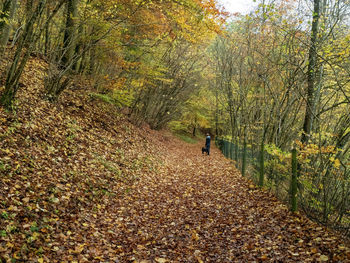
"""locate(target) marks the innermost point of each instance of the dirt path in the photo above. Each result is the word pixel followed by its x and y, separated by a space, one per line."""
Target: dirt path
pixel 80 183
pixel 199 209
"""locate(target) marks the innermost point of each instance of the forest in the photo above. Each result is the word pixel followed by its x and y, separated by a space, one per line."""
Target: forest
pixel 271 87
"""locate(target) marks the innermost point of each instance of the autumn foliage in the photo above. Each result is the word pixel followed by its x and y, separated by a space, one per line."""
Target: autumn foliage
pixel 95 94
pixel 80 183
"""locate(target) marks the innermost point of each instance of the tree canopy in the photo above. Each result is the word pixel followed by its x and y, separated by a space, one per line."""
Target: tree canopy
pixel 273 80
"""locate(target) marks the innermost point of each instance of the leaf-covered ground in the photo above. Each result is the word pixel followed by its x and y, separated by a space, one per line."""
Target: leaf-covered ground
pixel 79 183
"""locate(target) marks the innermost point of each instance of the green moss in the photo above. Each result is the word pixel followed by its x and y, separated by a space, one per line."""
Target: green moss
pixel 187 138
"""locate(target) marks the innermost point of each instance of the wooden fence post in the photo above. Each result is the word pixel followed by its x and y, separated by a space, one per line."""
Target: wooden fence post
pixel 244 157
pixel 236 151
pixel 261 175
pixel 293 183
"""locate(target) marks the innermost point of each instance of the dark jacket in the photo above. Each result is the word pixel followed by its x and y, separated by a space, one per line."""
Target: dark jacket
pixel 207 142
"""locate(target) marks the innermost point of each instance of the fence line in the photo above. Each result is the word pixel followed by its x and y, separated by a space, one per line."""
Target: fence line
pixel 254 164
pixel 316 182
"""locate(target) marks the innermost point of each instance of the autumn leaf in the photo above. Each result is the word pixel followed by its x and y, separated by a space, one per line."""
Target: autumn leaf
pixel 323 258
pixel 160 260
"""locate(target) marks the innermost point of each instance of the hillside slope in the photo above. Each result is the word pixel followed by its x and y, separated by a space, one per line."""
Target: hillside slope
pixel 80 183
pixel 63 164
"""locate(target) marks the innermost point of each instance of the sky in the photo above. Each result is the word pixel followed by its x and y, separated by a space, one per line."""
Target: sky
pixel 241 6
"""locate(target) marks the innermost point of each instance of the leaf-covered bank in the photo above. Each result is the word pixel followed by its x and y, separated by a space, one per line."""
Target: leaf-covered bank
pixel 79 183
pixel 62 166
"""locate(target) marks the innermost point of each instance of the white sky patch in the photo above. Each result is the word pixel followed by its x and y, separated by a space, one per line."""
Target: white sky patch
pixel 238 6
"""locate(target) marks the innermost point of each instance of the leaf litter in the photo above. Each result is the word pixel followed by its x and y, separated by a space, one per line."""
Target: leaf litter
pixel 80 183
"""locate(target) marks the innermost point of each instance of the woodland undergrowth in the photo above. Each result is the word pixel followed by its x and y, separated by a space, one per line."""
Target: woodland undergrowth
pixel 80 183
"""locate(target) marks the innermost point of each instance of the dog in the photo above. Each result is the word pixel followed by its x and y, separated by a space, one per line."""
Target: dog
pixel 205 150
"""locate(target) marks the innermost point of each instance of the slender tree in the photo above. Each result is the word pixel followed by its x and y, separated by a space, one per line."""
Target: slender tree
pixel 311 73
pixel 6 17
pixel 25 46
pixel 70 33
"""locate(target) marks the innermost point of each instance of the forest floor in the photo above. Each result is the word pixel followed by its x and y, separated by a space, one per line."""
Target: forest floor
pixel 80 183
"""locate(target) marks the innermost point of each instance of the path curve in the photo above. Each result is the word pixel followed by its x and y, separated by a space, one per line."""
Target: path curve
pixel 200 209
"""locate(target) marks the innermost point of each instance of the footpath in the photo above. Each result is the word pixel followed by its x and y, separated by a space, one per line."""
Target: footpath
pixel 200 209
pixel 80 183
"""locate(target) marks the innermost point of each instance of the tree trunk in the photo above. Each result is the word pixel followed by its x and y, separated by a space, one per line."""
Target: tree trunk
pixel 24 48
pixel 47 33
pixel 92 59
pixel 8 13
pixel 194 127
pixel 311 74
pixel 216 113
pixel 78 49
pixel 69 40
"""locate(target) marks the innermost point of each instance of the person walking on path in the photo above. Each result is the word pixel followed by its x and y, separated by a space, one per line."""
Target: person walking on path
pixel 207 143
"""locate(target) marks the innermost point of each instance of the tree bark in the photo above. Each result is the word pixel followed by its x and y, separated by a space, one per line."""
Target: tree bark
pixel 47 35
pixel 69 41
pixel 24 48
pixel 309 114
pixel 9 11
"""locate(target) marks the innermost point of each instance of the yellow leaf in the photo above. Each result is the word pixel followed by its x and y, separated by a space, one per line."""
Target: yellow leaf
pixel 323 258
pixel 79 249
pixel 55 248
pixel 9 245
pixel 197 255
pixel 195 235
pixel 16 255
pixel 140 247
pixel 161 260
pixel 336 163
pixel 41 260
pixel 35 235
pixel 13 208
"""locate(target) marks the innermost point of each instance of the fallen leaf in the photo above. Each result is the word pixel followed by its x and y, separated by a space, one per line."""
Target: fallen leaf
pixel 323 258
pixel 161 260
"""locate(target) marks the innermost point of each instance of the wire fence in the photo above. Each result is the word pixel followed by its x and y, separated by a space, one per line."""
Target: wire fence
pixel 312 178
pixel 263 168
